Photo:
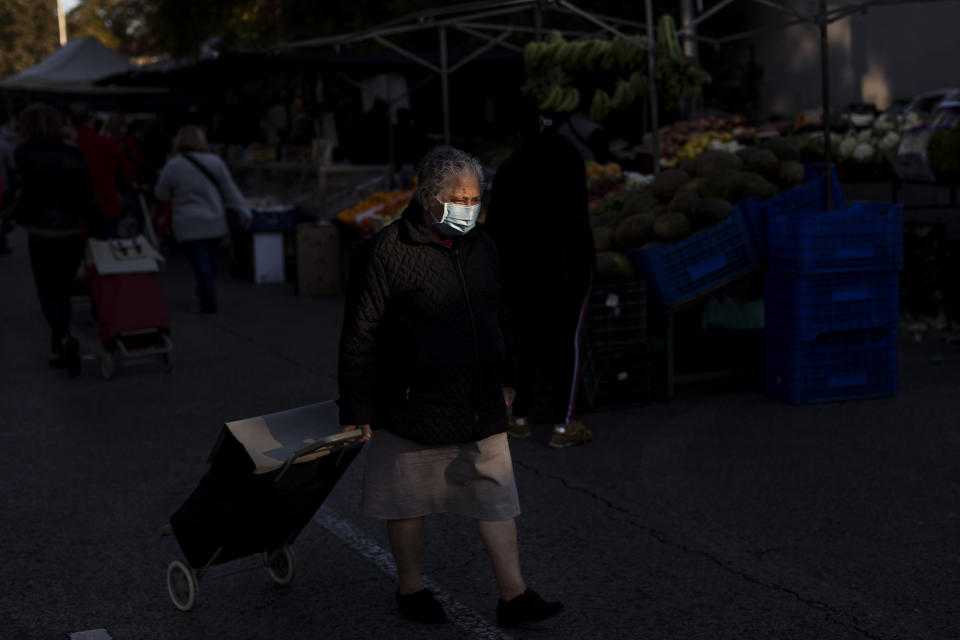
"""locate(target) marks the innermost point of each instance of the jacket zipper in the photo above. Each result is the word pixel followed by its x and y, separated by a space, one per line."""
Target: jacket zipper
pixel 476 337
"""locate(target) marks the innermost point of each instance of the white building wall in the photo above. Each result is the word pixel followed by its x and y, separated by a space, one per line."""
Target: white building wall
pixel 890 53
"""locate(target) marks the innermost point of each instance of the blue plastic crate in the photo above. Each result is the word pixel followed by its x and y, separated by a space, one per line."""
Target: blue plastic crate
pixel 865 236
pixel 811 196
pixel 278 219
pixel 702 261
pixel 803 307
pixel 848 365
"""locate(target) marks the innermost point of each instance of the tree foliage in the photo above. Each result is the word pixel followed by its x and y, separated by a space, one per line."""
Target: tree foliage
pixel 121 25
pixel 29 33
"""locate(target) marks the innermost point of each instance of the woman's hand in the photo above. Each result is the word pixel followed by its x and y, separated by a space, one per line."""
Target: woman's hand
pixel 365 428
pixel 509 394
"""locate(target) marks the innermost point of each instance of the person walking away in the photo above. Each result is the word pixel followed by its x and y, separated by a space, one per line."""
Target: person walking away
pixel 200 190
pixel 426 369
pixel 109 167
pixel 538 218
pixel 58 209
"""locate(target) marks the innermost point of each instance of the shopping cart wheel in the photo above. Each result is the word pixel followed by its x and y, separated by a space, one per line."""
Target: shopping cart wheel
pixel 182 586
pixel 167 362
pixel 108 364
pixel 280 564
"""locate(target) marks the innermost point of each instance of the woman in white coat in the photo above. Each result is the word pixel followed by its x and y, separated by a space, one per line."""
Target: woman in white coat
pixel 200 190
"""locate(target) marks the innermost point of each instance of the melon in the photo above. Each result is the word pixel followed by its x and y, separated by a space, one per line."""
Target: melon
pixel 764 162
pixel 634 231
pixel 791 174
pixel 711 211
pixel 711 161
pixel 782 148
pixel 672 227
pixel 727 184
pixel 684 201
pixel 602 238
pixel 668 182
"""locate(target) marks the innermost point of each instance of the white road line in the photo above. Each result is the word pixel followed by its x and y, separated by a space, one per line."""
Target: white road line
pixel 464 617
pixel 93 634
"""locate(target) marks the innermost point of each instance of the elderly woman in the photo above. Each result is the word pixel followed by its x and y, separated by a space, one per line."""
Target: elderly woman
pixel 425 363
pixel 198 185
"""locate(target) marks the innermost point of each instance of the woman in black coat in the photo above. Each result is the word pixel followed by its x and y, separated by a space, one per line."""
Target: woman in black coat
pixel 426 368
pixel 59 209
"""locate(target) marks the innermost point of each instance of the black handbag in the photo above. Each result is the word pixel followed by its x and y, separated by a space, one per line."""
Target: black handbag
pixel 234 216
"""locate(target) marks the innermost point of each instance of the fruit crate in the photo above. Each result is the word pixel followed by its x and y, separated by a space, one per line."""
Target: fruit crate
pixel 803 307
pixel 617 314
pixel 837 366
pixel 866 236
pixel 615 377
pixel 811 196
pixel 706 259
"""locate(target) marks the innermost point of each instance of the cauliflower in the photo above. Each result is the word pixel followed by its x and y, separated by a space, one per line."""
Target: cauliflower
pixel 913 119
pixel 890 142
pixel 865 136
pixel 884 124
pixel 847 147
pixel 863 152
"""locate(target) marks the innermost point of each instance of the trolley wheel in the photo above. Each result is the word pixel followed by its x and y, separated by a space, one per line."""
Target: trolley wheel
pixel 108 363
pixel 167 359
pixel 182 586
pixel 280 564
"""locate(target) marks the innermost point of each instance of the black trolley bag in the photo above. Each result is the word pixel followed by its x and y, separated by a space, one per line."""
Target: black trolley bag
pixel 268 476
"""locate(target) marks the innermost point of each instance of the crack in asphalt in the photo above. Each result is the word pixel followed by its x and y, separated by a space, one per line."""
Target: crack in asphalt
pixel 831 612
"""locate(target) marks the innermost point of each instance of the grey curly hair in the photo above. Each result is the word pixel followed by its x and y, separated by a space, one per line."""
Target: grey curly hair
pixel 443 165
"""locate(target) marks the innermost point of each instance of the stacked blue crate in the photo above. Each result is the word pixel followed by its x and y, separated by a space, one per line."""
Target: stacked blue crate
pixel 832 306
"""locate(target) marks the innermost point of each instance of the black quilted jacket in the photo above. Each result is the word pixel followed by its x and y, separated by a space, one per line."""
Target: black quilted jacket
pixel 425 350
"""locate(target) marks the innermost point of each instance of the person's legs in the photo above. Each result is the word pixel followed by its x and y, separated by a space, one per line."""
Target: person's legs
pixel 500 540
pixel 566 336
pixel 517 604
pixel 415 601
pixel 201 258
pixel 527 341
pixel 406 541
pixel 55 262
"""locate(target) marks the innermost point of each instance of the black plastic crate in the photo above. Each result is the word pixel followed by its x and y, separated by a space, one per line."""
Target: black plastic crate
pixel 617 315
pixel 615 377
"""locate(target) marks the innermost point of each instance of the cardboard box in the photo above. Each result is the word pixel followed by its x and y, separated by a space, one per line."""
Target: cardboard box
pixel 318 260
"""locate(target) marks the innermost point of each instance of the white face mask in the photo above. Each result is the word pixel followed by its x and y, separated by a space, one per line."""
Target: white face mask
pixel 457 219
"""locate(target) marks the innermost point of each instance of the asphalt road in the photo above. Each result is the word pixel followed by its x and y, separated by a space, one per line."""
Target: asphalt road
pixel 724 514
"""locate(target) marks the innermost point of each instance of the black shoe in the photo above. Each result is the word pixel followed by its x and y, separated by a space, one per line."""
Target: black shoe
pixel 421 606
pixel 527 607
pixel 71 354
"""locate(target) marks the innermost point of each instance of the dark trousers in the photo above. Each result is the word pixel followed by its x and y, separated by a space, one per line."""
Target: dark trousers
pixel 202 255
pixel 547 332
pixel 55 262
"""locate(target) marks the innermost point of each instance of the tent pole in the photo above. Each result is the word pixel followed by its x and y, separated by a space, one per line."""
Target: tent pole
pixel 825 90
pixel 445 84
pixel 652 82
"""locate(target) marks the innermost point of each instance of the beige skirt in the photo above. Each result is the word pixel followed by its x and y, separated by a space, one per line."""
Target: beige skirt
pixel 405 479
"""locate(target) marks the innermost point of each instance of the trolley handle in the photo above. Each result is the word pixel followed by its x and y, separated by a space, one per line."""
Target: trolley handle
pixel 346 436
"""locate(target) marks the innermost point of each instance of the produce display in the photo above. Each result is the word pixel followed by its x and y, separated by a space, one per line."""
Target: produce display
pixel 866 140
pixel 685 200
pixel 376 210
